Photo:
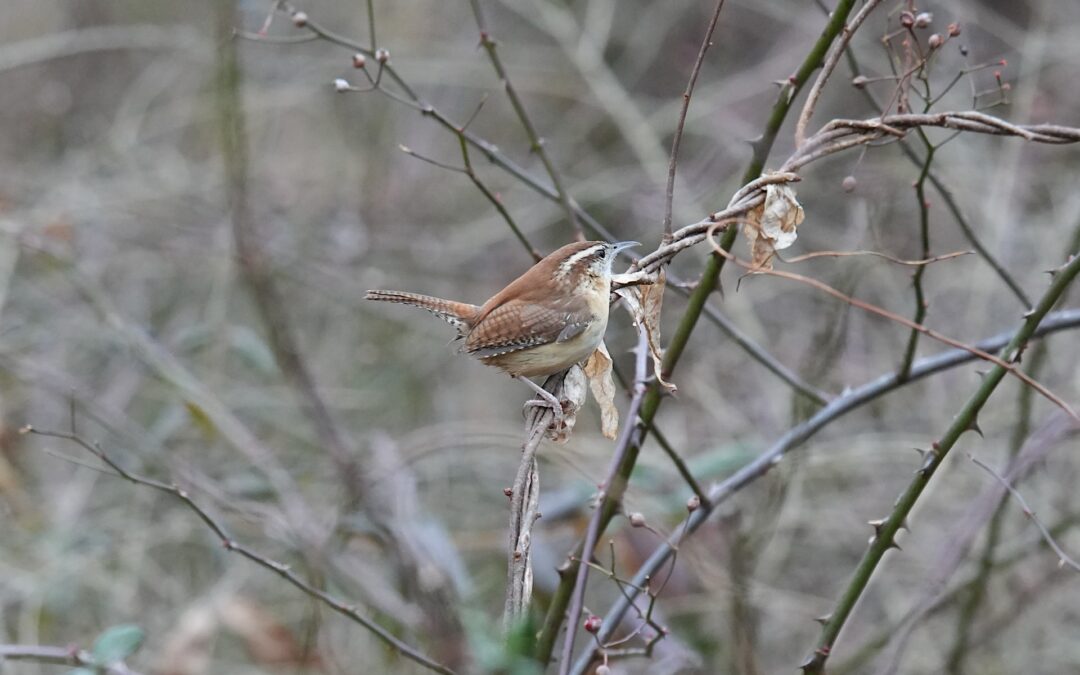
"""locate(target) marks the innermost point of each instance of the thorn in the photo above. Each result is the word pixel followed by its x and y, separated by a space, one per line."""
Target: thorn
pixel 928 462
pixel 974 426
pixel 824 618
pixel 893 544
pixel 876 524
pixel 921 452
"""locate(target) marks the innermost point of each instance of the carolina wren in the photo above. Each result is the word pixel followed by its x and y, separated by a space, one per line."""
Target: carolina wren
pixel 551 317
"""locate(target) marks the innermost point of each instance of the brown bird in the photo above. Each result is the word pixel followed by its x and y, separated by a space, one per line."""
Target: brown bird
pixel 551 317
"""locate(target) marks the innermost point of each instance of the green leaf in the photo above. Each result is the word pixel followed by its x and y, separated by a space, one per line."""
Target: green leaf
pixel 117 643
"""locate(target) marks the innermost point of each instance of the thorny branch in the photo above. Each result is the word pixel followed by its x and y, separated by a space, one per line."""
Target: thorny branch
pixel 281 569
pixel 965 420
pixel 630 429
pixel 794 438
pixel 835 137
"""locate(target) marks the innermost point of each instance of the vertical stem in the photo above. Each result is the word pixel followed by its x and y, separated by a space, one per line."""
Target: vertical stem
pixel 696 305
pixel 924 236
pixel 677 141
pixel 972 601
pixel 884 538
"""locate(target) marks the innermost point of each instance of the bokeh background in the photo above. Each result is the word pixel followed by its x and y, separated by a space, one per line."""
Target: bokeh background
pixel 121 294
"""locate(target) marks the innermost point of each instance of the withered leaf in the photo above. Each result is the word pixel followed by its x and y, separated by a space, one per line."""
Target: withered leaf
pixel 571 393
pixel 598 370
pixel 772 226
pixel 650 300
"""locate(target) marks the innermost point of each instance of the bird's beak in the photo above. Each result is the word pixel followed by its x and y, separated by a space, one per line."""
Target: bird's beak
pixel 622 245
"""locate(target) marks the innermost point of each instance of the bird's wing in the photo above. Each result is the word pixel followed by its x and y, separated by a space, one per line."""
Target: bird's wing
pixel 517 325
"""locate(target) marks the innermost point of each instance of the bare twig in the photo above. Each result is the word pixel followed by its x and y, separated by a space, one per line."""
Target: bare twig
pixel 878 254
pixel 537 143
pixel 1063 557
pixel 836 51
pixel 495 201
pixel 61 656
pixel 629 430
pixel 281 569
pixel 841 134
pixel 924 237
pixel 892 316
pixel 669 198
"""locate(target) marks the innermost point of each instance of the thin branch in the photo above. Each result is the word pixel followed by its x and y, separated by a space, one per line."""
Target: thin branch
pixel 794 438
pixel 371 24
pixel 680 464
pixel 924 237
pixel 841 134
pixel 537 143
pixel 669 198
pixel 837 50
pixel 878 254
pixel 613 484
pixel 61 656
pixel 929 332
pixel 758 353
pixel 281 569
pixel 1063 557
pixel 669 450
pixel 496 201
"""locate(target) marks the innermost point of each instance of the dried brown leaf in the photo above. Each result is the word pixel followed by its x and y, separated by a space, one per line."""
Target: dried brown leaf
pixel 572 394
pixel 598 370
pixel 772 226
pixel 650 300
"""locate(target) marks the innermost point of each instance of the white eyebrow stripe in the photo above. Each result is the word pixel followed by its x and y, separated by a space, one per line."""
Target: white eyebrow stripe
pixel 582 254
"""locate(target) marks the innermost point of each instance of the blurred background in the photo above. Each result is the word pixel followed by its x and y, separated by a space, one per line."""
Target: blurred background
pixel 124 307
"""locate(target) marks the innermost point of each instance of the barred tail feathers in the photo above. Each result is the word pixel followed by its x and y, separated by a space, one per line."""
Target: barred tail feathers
pixel 458 314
